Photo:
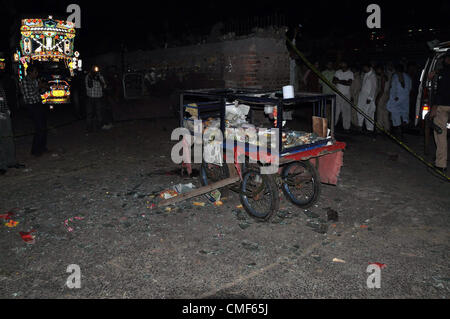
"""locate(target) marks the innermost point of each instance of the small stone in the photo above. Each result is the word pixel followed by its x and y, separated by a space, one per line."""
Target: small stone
pixel 240 215
pixel 244 225
pixel 311 214
pixel 250 246
pixel 332 215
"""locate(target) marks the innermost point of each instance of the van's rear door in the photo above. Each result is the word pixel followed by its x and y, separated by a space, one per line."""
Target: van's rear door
pixel 423 81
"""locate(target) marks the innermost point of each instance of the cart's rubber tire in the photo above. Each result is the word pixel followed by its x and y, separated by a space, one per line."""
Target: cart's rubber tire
pixel 313 182
pixel 211 173
pixel 267 186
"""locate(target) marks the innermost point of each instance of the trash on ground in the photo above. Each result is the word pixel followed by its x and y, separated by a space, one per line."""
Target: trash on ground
pixel 202 204
pixel 337 260
pixel 168 194
pixel 7 216
pixel 71 219
pixel 332 215
pixel 214 196
pixel 244 225
pixel 318 226
pixel 218 203
pixel 380 265
pixel 183 188
pixel 310 214
pixel 28 237
pixel 239 206
pixel 11 223
pixel 249 245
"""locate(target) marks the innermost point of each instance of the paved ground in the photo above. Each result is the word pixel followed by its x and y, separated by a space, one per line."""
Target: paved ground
pixel 390 210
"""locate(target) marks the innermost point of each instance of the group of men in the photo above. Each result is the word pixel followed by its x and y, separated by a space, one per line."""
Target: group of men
pixel 381 93
pixel 31 88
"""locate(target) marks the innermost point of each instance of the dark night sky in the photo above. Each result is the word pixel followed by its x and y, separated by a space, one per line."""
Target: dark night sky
pixel 106 24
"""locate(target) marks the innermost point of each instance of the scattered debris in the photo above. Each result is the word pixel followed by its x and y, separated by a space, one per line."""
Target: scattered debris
pixel 240 215
pixel 218 203
pixel 202 204
pixel 183 188
pixel 214 196
pixel 337 260
pixel 332 215
pixel 28 237
pixel 168 194
pixel 380 265
pixel 310 214
pixel 7 216
pixel 249 245
pixel 318 226
pixel 11 223
pixel 244 225
pixel 71 219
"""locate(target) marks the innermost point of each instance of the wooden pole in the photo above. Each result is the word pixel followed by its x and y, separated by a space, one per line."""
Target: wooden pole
pixel 199 191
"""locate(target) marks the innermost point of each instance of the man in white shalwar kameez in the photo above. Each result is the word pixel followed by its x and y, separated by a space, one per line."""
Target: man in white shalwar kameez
pixel 366 98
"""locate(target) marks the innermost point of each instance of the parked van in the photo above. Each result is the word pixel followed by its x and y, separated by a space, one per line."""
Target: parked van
pixel 427 89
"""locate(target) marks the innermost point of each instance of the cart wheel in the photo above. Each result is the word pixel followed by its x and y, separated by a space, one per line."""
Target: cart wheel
pixel 259 194
pixel 211 173
pixel 301 183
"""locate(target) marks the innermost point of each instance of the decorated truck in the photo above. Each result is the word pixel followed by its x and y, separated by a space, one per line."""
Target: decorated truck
pixel 49 44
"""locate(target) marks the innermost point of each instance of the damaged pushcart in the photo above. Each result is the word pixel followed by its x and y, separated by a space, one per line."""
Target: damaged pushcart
pixel 249 147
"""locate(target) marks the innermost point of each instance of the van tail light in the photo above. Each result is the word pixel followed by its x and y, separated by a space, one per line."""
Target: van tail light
pixel 425 110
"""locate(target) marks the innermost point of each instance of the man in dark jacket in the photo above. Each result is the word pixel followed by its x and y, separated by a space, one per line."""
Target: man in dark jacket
pixel 440 113
pixel 7 147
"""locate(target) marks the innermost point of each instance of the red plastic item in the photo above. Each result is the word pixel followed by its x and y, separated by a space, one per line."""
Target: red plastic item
pixel 380 265
pixel 27 237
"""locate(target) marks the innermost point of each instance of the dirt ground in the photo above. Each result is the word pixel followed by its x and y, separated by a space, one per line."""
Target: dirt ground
pixel 391 211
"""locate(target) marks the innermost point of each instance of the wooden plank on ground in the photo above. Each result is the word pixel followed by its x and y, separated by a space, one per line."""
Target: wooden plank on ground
pixel 199 191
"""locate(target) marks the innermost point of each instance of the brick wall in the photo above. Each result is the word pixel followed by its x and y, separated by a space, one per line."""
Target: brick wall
pixel 254 61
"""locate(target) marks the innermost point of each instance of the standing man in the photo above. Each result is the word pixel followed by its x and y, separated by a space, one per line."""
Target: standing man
pixel 366 98
pixel 95 84
pixel 440 113
pixel 328 73
pixel 343 79
pixel 355 88
pixel 311 80
pixel 383 87
pixel 398 103
pixel 7 147
pixel 30 89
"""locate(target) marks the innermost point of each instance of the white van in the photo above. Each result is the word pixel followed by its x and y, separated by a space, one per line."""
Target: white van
pixel 427 89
